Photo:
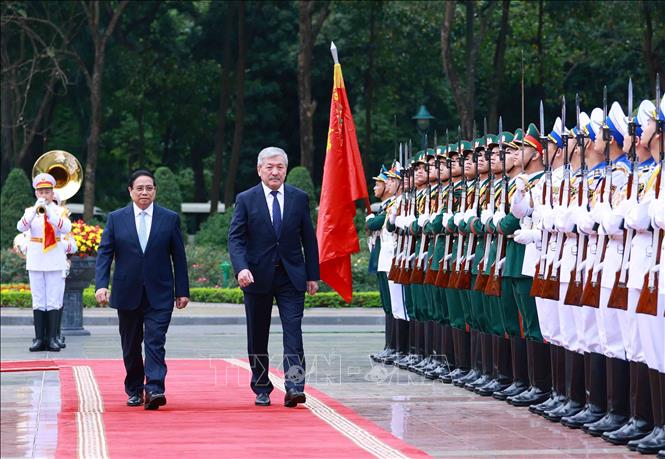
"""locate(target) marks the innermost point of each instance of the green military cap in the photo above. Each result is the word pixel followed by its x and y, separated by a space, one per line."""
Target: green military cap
pixel 441 150
pixel 532 138
pixel 518 137
pixel 492 140
pixel 507 138
pixel 452 149
pixel 479 143
pixel 467 146
pixel 419 158
pixel 430 153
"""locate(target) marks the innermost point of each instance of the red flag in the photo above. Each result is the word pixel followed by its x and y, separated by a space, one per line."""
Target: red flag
pixel 343 184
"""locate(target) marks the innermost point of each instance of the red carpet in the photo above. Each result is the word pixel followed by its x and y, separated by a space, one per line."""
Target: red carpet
pixel 28 365
pixel 210 413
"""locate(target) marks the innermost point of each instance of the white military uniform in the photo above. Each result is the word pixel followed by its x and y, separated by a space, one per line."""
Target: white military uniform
pixel 386 255
pixel 45 267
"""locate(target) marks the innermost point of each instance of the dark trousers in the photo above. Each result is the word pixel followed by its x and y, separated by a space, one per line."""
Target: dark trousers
pixel 258 308
pixel 144 325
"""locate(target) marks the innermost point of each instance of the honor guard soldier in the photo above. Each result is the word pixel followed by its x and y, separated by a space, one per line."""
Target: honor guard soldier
pixel 45 261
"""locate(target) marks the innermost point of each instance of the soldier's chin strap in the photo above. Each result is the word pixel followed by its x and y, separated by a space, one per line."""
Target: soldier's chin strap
pixel 651 138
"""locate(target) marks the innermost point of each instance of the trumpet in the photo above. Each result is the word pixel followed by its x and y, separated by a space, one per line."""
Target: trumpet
pixel 41 209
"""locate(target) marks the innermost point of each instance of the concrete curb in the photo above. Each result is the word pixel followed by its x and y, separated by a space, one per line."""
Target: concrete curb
pixel 213 320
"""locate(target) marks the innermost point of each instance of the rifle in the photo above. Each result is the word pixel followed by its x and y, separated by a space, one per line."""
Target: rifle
pixel 430 277
pixel 493 287
pixel 541 267
pixel 443 277
pixel 418 273
pixel 591 292
pixel 462 208
pixel 551 287
pixel 619 295
pixel 648 301
pixel 405 267
pixel 392 274
pixel 481 277
pixel 464 278
pixel 576 284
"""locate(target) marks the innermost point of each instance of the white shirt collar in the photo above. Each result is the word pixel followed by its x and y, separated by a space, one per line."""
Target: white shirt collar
pixel 138 210
pixel 267 190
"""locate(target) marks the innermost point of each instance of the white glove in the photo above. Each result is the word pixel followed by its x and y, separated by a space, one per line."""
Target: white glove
pixel 520 208
pixel 637 218
pixel 520 184
pixel 40 202
pixel 423 219
pixel 624 207
pixel 400 222
pixel 458 218
pixel 369 217
pixel 498 216
pixel 392 217
pixel 29 214
pixel 547 223
pixel 52 214
pixel 526 236
pixel 612 223
pixel 600 209
pixel 499 264
pixel 585 223
pixel 657 213
pixel 485 216
pixel 408 220
pixel 519 193
pixel 469 214
pixel 564 220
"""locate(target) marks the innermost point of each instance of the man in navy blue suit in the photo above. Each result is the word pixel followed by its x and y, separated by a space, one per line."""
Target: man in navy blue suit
pixel 145 241
pixel 274 253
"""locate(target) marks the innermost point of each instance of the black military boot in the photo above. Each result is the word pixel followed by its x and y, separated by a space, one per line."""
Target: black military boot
pixel 402 342
pixel 392 344
pixel 39 319
pixel 540 377
pixel 449 358
pixel 518 359
pixel 52 327
pixel 476 360
pixel 60 338
pixel 500 367
pixel 596 394
pixel 421 349
pixel 377 357
pixel 485 363
pixel 462 356
pixel 641 420
pixel 655 441
pixel 557 396
pixel 574 388
pixel 617 399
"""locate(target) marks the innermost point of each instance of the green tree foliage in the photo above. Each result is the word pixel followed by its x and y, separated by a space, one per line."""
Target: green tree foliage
pixel 214 232
pixel 168 193
pixel 16 196
pixel 300 178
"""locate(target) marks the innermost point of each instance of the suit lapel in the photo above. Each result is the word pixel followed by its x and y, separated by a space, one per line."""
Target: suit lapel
pixel 263 210
pixel 130 221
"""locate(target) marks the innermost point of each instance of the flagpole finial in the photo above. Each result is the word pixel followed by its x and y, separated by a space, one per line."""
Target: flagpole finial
pixel 333 51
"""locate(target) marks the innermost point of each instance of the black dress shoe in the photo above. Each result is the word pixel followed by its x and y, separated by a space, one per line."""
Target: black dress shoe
pixel 571 408
pixel 154 401
pixel 610 422
pixel 392 359
pixel 481 381
pixel 293 397
pixel 135 400
pixel 533 396
pixel 516 388
pixel 262 400
pixel 38 345
pixel 634 429
pixel 494 386
pixel 654 442
pixel 438 372
pixel 590 413
pixel 551 403
pixel 471 376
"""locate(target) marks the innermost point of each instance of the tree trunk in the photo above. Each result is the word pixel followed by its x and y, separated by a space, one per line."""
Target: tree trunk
pixel 100 36
pixel 499 67
pixel 229 189
pixel 224 93
pixel 7 117
pixel 369 82
pixel 307 33
pixel 654 64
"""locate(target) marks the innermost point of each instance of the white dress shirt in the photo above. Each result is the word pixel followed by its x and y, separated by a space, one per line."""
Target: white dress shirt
pixel 270 198
pixel 148 218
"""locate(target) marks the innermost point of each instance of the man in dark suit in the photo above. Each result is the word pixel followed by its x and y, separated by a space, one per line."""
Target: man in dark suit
pixel 150 263
pixel 274 253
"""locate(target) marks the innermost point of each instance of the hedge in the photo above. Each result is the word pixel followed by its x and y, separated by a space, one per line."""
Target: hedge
pixel 217 295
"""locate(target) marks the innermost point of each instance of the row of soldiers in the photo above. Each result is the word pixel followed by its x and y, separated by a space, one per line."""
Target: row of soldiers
pixel 527 267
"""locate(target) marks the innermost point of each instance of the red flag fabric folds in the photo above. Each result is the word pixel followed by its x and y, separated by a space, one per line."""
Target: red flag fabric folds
pixel 343 184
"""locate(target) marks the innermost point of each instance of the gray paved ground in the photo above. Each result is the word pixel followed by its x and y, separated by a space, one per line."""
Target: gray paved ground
pixel 443 420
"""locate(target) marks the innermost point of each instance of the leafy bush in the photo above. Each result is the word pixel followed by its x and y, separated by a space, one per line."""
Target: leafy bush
pixel 214 232
pixel 16 195
pixel 215 295
pixel 168 193
pixel 12 268
pixel 300 178
pixel 205 266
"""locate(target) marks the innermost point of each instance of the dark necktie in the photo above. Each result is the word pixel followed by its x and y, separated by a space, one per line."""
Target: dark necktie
pixel 276 213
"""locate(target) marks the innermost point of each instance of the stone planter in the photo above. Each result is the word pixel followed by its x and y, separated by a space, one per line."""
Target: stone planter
pixel 81 274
